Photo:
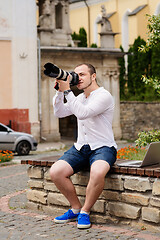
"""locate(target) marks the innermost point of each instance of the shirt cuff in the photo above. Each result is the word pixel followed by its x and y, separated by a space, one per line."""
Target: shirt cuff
pixel 70 96
pixel 58 97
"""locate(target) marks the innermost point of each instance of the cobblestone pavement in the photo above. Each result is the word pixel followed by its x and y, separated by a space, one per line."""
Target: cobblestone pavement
pixel 19 223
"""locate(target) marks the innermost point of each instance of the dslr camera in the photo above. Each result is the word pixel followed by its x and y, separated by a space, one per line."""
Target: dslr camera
pixel 53 71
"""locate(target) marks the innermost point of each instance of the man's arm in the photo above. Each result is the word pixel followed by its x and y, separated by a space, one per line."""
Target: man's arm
pixel 60 108
pixel 101 102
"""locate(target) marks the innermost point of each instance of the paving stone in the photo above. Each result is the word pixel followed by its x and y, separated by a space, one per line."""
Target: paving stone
pixel 15 226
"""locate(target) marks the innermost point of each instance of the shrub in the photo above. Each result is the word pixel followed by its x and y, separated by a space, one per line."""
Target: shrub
pixel 82 37
pixel 146 137
pixel 6 156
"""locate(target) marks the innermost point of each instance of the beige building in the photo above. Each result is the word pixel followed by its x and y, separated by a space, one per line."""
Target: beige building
pixel 127 17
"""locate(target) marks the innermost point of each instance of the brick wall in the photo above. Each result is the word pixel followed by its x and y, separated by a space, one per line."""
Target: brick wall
pixel 138 116
pixel 18 118
pixel 125 198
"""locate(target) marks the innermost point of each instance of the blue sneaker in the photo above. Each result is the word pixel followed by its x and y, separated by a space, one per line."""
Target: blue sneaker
pixel 66 217
pixel 83 221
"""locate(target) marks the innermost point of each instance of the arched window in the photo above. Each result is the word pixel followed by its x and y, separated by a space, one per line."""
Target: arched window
pixel 157 9
pixel 125 35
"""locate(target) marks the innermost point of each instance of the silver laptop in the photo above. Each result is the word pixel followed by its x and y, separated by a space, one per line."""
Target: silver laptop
pixel 152 157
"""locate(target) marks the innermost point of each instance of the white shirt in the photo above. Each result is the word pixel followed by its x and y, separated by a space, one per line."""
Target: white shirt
pixel 94 115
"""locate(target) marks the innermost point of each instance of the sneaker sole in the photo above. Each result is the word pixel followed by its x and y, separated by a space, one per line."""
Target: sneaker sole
pixel 83 226
pixel 64 221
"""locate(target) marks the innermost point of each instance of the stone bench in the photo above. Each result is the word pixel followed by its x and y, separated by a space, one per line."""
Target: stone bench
pixel 130 195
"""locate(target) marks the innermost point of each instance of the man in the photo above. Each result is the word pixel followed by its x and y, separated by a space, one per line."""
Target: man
pixel 95 145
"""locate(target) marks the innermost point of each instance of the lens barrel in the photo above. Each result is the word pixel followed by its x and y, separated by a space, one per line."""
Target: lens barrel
pixel 53 71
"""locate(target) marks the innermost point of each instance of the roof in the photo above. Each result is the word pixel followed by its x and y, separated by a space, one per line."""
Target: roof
pixel 138 9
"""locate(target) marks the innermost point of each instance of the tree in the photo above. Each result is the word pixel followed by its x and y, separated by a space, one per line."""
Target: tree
pixel 122 80
pixel 82 37
pixel 152 42
pixel 138 64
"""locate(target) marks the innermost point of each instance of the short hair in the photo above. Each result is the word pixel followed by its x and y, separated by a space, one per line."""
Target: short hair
pixel 90 67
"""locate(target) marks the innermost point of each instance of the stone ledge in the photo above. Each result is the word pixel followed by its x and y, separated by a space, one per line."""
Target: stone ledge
pixel 132 198
pixel 150 171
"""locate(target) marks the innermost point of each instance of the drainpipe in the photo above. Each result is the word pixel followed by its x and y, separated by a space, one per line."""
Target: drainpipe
pixel 89 40
pixel 39 87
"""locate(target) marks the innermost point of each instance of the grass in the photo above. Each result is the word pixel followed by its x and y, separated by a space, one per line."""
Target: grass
pixel 6 156
pixel 131 153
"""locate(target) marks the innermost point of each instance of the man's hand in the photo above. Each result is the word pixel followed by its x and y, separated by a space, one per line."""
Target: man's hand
pixel 63 85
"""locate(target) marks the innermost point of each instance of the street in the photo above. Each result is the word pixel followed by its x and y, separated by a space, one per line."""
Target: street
pixel 19 223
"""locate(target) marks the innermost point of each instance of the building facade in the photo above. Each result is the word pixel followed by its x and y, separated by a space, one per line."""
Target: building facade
pixel 128 18
pixel 18 59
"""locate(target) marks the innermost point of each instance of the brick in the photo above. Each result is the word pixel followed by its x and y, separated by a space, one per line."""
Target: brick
pixel 99 206
pixel 151 214
pixel 50 186
pixel 57 199
pixel 110 195
pixel 54 211
pixel 123 210
pixel 155 202
pixel 47 175
pixel 35 172
pixel 80 190
pixel 80 178
pixel 156 187
pixel 35 184
pixel 114 182
pixel 135 198
pixel 37 196
pixel 137 184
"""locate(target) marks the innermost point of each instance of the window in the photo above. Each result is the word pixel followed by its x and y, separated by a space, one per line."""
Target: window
pixel 58 16
pixel 3 129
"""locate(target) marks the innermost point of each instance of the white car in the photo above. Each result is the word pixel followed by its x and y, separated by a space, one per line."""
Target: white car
pixel 19 142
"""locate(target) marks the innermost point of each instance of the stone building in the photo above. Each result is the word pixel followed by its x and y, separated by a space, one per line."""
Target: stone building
pixel 54 38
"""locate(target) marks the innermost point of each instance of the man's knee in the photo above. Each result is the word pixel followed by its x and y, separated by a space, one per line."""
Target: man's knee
pixel 99 169
pixel 60 170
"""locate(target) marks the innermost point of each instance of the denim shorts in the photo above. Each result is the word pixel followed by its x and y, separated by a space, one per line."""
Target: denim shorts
pixel 84 158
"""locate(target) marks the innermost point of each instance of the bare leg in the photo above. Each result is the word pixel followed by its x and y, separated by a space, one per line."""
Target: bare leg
pixel 60 173
pixel 95 186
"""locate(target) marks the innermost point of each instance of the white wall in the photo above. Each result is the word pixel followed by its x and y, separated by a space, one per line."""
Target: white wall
pixel 24 52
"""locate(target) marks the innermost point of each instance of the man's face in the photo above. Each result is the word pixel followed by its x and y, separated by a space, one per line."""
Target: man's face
pixel 85 78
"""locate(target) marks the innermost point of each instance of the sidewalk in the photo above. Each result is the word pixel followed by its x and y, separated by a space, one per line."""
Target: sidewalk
pixel 19 223
pixel 66 143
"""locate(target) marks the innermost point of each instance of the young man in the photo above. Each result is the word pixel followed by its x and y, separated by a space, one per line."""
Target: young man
pixel 95 146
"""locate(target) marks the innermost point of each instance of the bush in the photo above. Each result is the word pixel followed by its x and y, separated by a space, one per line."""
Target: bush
pixel 5 156
pixel 146 137
pixel 82 37
pixel 93 45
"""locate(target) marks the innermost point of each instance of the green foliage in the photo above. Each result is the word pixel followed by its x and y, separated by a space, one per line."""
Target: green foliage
pixel 82 37
pixel 153 33
pixel 153 43
pixel 146 137
pixel 141 65
pixel 138 65
pixel 122 79
pixel 93 45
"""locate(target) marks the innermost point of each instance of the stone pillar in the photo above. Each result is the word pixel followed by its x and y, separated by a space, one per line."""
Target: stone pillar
pixel 111 83
pixel 50 124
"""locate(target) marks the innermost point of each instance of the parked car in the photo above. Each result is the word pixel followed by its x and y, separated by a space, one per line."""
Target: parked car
pixel 19 142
